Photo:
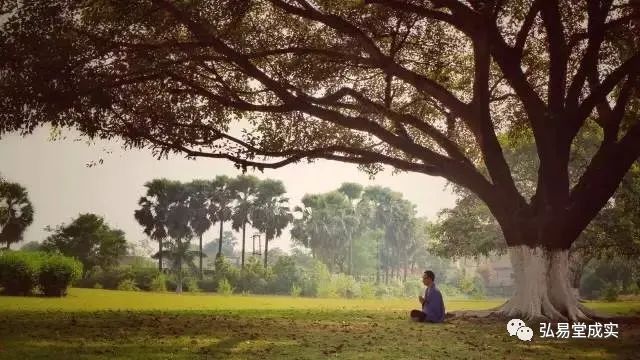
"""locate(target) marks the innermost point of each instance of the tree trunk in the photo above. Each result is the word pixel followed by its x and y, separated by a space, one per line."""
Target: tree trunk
pixel 160 254
pixel 266 250
pixel 350 254
pixel 378 262
pixel 542 289
pixel 201 271
pixel 244 228
pixel 405 266
pixel 179 284
pixel 220 240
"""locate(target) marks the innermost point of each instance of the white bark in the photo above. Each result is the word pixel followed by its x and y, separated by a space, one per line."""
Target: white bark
pixel 542 289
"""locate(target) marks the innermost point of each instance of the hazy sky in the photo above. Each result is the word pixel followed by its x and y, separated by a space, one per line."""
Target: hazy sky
pixel 61 186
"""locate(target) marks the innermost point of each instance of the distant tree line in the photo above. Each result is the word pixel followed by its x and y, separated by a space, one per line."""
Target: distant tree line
pixel 173 213
pixel 357 230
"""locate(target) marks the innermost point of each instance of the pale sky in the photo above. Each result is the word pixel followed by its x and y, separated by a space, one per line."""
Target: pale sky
pixel 61 186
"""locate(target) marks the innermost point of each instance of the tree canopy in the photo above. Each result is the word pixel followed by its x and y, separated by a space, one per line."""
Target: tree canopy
pixel 89 239
pixel 361 230
pixel 422 86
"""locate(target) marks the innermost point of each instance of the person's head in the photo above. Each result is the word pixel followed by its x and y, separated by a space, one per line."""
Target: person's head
pixel 428 277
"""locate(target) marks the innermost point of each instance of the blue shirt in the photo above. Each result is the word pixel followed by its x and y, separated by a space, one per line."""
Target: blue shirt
pixel 433 305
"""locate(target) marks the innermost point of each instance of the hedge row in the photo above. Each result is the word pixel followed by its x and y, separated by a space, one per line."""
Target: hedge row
pixel 24 272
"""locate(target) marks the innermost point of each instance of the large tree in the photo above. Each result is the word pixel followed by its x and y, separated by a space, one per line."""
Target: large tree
pixel 470 230
pixel 89 239
pixel 422 86
pixel 16 212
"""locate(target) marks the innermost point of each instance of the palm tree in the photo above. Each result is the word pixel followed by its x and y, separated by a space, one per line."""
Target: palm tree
pixel 245 188
pixel 152 214
pixel 353 191
pixel 16 212
pixel 347 226
pixel 325 226
pixel 222 197
pixel 199 197
pixel 178 218
pixel 378 201
pixel 271 214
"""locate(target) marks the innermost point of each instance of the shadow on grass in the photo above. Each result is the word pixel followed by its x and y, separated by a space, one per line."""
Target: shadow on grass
pixel 280 334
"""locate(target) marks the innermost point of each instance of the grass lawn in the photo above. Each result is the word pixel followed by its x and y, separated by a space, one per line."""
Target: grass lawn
pixel 102 324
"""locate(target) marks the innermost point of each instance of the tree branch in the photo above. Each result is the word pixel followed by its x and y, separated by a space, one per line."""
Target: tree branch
pixel 524 31
pixel 601 179
pixel 601 92
pixel 384 62
pixel 558 56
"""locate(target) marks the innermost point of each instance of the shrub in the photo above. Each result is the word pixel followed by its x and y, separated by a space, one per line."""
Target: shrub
pixel 344 286
pixel 19 271
pixel 89 280
pixel 224 287
pixel 318 281
pixel 159 283
pixel 367 290
pixel 190 284
pixel 326 290
pixel 108 279
pixel 252 278
pixel 413 288
pixel 471 286
pixel 208 285
pixel 295 290
pixel 449 291
pixel 591 285
pixel 395 289
pixel 224 270
pixel 57 273
pixel 285 275
pixel 382 291
pixel 128 285
pixel 144 276
pixel 611 292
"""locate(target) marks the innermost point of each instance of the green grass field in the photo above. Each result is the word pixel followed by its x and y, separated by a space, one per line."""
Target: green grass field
pixel 102 324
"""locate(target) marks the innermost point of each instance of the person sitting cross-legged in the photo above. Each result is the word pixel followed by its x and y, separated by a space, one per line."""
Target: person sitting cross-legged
pixel 432 303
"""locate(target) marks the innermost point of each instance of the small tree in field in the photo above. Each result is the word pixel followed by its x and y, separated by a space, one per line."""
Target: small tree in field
pixel 89 239
pixel 16 212
pixel 427 86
